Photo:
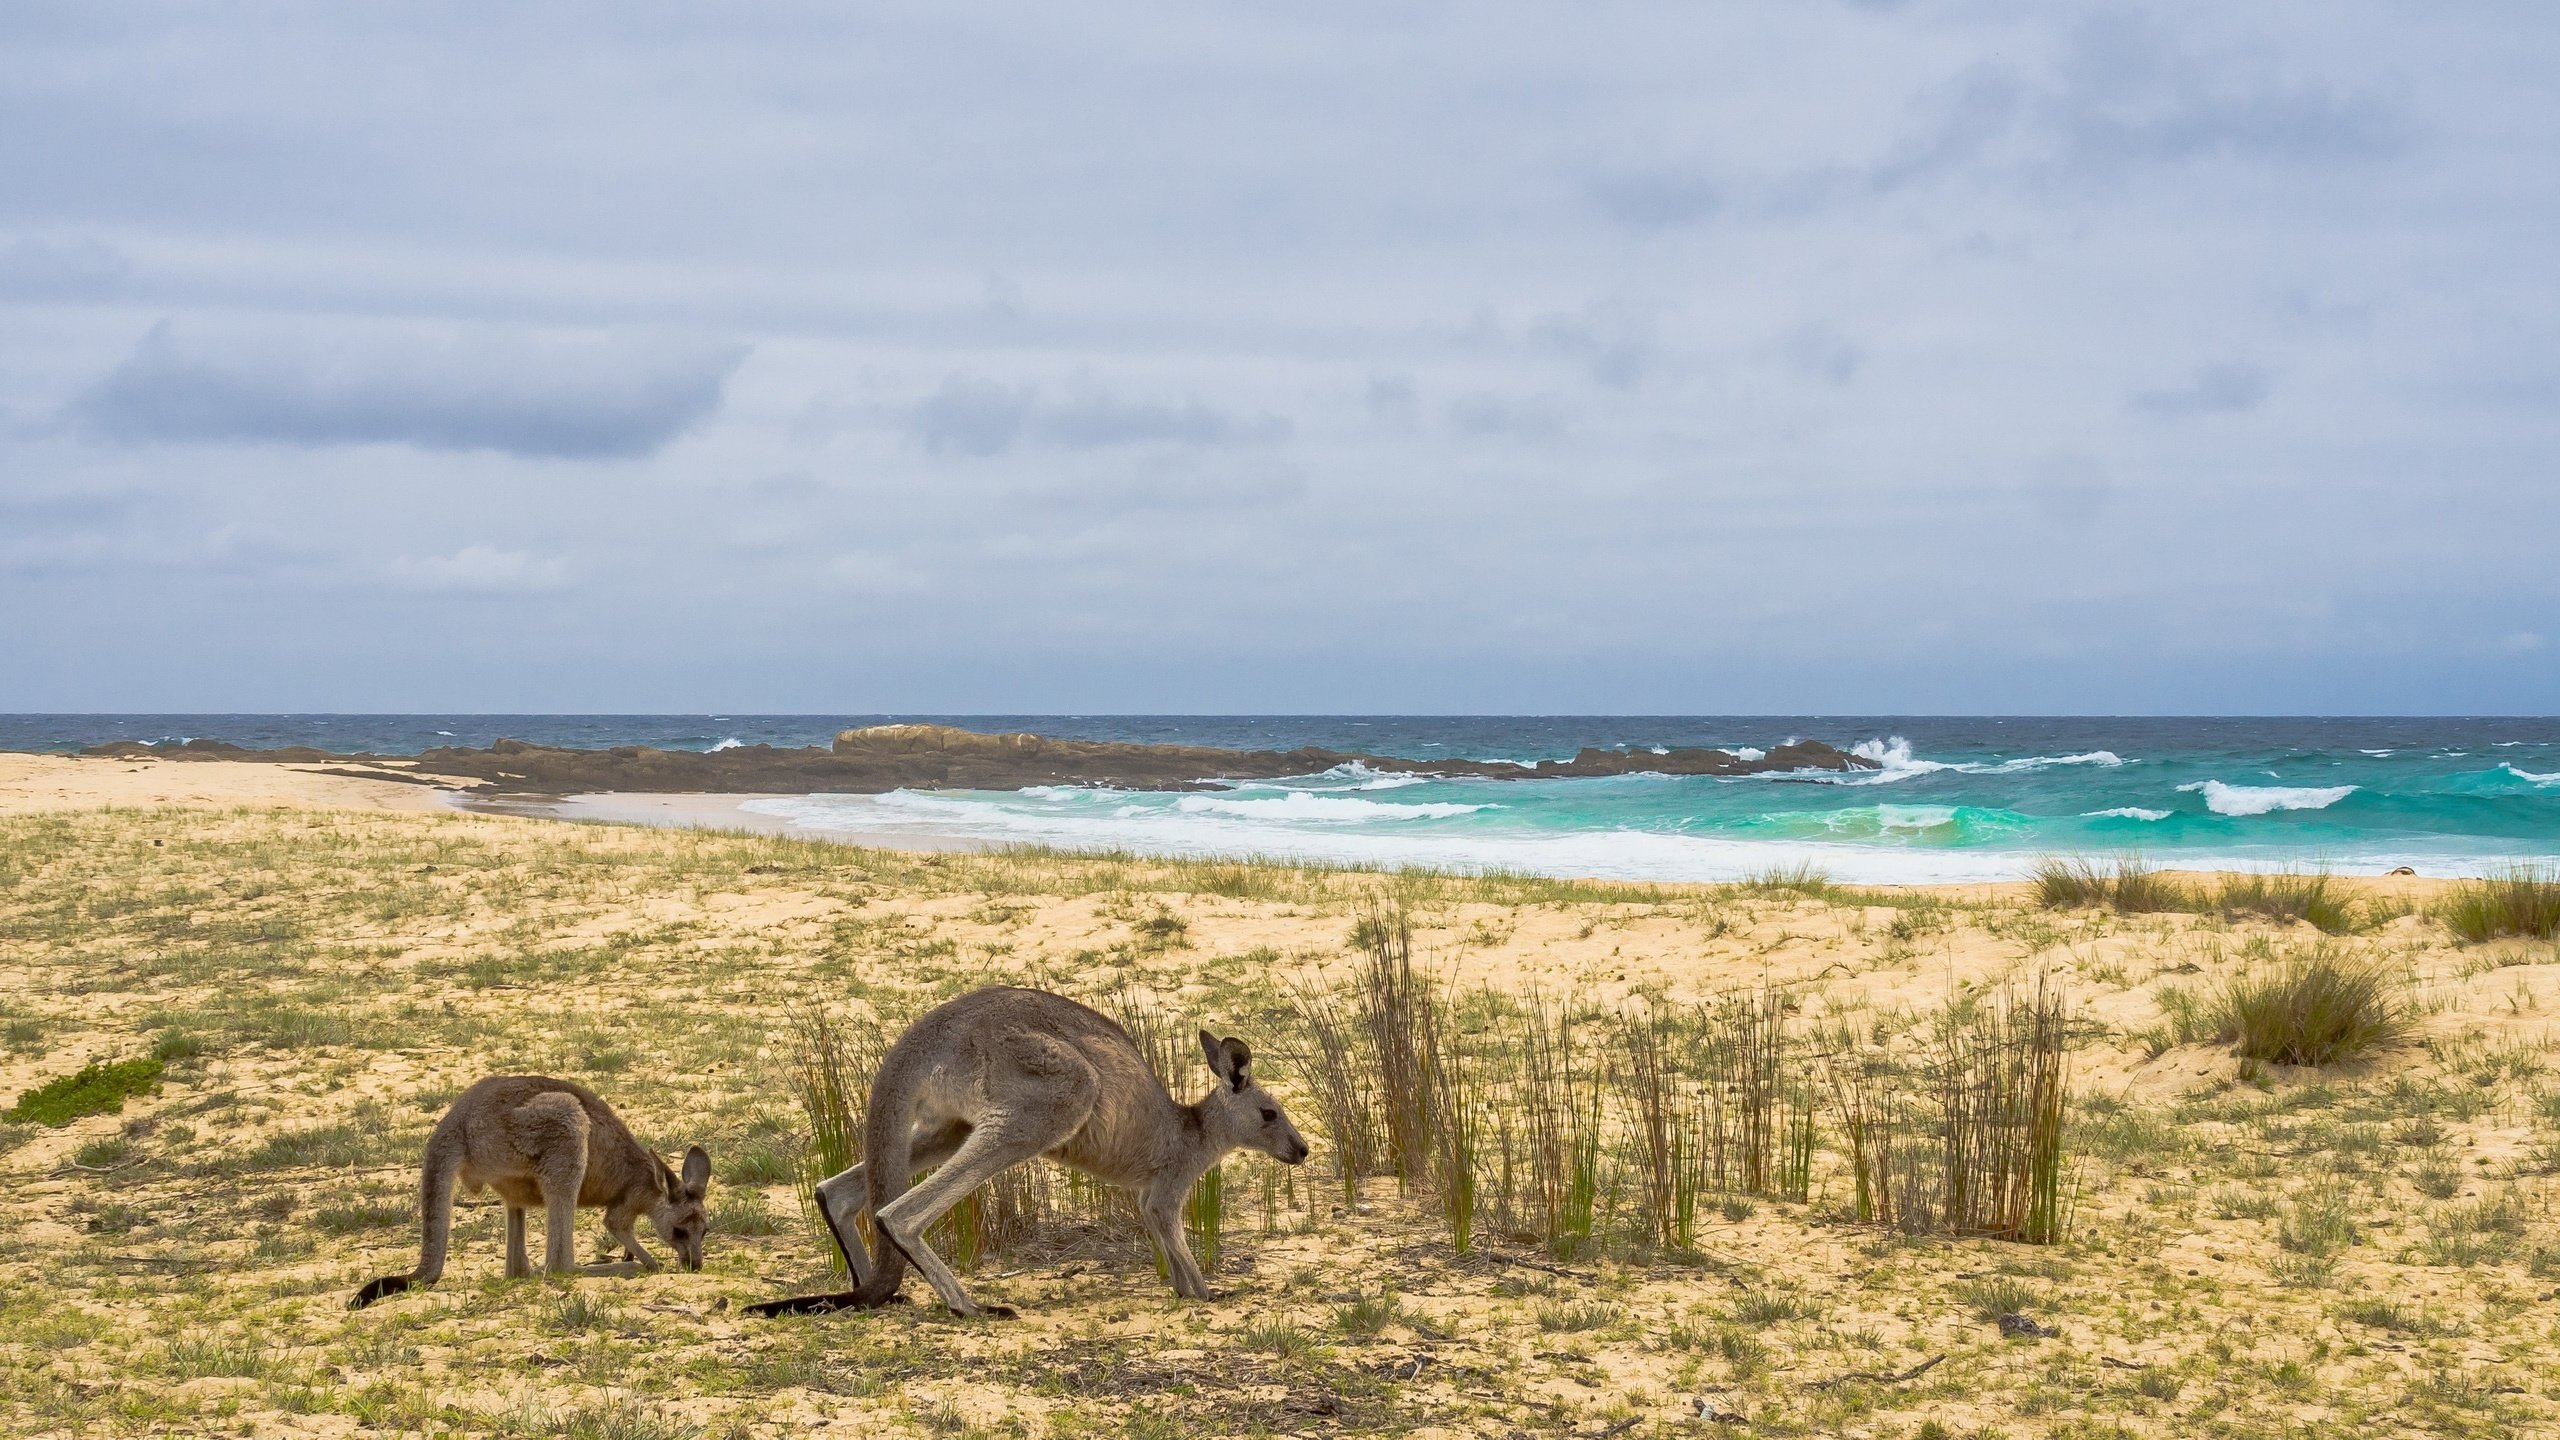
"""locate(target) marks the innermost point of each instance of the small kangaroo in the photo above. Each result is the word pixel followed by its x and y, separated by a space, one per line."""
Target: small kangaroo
pixel 999 1076
pixel 554 1144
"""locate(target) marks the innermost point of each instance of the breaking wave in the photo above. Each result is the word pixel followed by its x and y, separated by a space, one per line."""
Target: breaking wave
pixel 2245 800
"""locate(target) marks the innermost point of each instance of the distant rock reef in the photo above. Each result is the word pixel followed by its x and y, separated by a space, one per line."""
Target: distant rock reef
pixel 938 757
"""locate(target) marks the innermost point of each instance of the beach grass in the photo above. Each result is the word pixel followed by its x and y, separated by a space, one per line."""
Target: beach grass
pixel 1746 1143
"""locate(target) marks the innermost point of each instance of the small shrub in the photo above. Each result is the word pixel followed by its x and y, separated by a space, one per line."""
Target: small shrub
pixel 2131 887
pixel 1367 1316
pixel 2069 883
pixel 105 1154
pixel 1993 1296
pixel 1801 879
pixel 194 1356
pixel 2308 898
pixel 2524 901
pixel 2321 1224
pixel 1562 1318
pixel 2487 1230
pixel 2395 1317
pixel 363 1215
pixel 761 1160
pixel 1163 930
pixel 1768 1307
pixel 1278 1338
pixel 744 1212
pixel 333 1147
pixel 176 1045
pixel 2312 1008
pixel 96 1089
pixel 2159 1384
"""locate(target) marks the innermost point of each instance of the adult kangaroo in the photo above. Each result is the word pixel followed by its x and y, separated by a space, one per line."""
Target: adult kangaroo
pixel 1002 1075
pixel 554 1144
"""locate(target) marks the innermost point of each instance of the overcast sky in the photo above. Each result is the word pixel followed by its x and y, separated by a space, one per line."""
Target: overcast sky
pixel 1792 356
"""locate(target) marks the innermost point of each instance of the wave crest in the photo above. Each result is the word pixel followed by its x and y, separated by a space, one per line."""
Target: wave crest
pixel 2244 800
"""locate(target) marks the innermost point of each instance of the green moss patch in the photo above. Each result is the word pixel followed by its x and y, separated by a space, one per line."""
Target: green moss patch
pixel 95 1090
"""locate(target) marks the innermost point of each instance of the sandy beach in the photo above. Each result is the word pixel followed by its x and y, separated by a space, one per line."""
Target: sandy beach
pixel 325 961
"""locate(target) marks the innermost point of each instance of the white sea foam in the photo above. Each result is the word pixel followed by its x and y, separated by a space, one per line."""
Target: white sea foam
pixel 1897 763
pixel 732 743
pixel 2105 758
pixel 2243 800
pixel 1302 806
pixel 1746 752
pixel 2380 754
pixel 2527 775
pixel 2125 812
pixel 1078 819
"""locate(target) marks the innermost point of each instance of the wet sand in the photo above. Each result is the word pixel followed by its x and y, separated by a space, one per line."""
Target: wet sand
pixel 693 811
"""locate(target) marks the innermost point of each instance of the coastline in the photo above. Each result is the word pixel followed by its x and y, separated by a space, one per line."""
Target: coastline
pixel 688 810
pixel 34 783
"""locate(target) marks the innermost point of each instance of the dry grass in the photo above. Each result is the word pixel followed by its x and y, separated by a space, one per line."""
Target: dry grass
pixel 1672 1110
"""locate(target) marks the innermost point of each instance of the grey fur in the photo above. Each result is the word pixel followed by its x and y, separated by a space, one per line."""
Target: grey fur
pixel 553 1144
pixel 1003 1075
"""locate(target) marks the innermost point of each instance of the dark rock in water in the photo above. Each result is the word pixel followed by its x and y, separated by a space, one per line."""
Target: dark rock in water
pixel 895 757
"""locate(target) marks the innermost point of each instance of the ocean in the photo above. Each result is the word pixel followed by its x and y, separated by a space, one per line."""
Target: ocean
pixel 1958 798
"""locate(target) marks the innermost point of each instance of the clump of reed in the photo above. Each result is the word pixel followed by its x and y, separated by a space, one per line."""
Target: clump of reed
pixel 2129 886
pixel 1553 1120
pixel 2313 1006
pixel 2524 902
pixel 829 1072
pixel 2126 885
pixel 1970 1139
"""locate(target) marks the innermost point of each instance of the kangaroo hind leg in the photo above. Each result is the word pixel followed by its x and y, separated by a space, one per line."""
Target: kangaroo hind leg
pixel 1040 1093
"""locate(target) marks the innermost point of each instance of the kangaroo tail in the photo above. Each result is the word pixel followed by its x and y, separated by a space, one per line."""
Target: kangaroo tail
pixel 435 1210
pixel 887 1132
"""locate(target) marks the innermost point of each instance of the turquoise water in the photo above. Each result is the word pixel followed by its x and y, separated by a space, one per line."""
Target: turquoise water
pixel 1958 798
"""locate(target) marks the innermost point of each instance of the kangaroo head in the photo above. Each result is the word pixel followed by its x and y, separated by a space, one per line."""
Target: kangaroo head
pixel 679 1216
pixel 1241 1113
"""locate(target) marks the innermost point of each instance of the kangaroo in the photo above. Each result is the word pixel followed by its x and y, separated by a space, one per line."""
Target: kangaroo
pixel 554 1144
pixel 999 1076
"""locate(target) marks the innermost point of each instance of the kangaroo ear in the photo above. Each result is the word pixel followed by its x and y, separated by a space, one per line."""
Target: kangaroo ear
pixel 697 1171
pixel 1228 1059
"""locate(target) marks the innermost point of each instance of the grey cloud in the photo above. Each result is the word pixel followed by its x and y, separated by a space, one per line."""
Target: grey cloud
pixel 1179 488
pixel 1096 421
pixel 439 389
pixel 1484 413
pixel 78 268
pixel 2222 389
pixel 479 570
pixel 1657 198
pixel 2129 93
pixel 1613 341
pixel 1392 400
pixel 1822 353
pixel 973 416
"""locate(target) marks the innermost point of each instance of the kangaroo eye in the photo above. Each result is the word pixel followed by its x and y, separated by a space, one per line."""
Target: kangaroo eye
pixel 1269 1115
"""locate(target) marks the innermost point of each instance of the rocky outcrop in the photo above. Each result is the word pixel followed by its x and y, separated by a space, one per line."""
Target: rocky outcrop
pixel 927 757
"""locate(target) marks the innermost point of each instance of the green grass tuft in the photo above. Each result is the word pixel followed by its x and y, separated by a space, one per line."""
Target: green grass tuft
pixel 97 1089
pixel 2524 901
pixel 2312 1008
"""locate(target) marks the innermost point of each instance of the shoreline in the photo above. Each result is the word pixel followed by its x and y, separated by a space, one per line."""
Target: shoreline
pixel 31 782
pixel 690 810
